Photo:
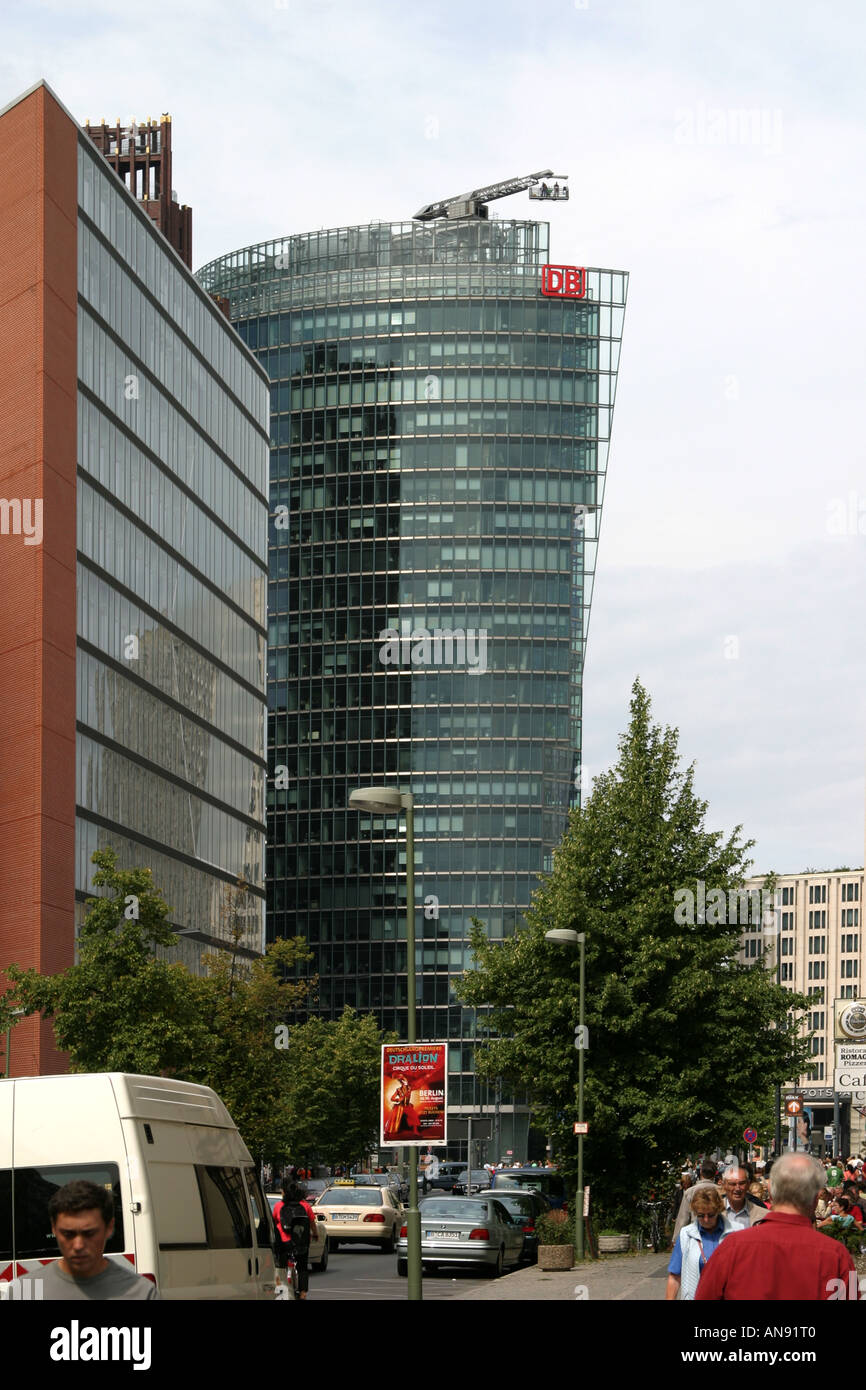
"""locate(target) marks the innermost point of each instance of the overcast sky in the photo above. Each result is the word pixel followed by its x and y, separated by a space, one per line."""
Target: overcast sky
pixel 715 151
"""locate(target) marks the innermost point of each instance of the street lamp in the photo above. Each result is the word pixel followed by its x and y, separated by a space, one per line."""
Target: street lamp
pixel 567 937
pixel 388 801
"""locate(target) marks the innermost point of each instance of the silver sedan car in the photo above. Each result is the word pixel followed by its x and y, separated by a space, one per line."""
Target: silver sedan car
pixel 465 1231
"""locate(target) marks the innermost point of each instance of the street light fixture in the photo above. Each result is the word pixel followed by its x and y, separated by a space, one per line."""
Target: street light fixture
pixel 566 937
pixel 388 801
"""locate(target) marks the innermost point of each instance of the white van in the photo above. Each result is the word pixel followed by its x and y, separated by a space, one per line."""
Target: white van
pixel 189 1210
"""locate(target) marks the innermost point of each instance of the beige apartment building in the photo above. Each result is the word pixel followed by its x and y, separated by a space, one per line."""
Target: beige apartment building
pixel 814 937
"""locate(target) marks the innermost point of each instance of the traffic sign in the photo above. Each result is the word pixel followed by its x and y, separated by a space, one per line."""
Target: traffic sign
pixel 750 1135
pixel 794 1105
pixel 581 1126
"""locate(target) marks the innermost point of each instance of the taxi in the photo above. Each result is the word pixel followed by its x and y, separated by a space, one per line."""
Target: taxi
pixel 360 1214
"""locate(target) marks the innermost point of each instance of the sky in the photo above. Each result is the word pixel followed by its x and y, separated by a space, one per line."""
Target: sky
pixel 716 152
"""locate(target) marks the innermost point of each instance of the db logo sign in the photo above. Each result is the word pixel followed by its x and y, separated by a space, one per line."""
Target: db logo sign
pixel 563 281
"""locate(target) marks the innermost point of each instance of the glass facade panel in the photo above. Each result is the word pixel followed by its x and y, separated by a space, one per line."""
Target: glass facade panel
pixel 171 511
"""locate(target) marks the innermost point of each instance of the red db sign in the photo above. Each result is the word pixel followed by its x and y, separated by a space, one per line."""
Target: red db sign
pixel 563 281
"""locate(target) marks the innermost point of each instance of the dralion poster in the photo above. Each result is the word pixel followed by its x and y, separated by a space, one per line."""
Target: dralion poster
pixel 414 1096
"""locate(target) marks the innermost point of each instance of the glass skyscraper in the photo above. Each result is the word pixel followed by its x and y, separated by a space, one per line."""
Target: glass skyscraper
pixel 439 438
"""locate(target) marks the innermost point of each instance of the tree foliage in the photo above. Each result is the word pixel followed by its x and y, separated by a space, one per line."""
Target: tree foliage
pixel 123 1008
pixel 333 1096
pixel 685 1041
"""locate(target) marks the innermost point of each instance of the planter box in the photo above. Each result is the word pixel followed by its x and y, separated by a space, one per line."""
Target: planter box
pixel 614 1245
pixel 555 1256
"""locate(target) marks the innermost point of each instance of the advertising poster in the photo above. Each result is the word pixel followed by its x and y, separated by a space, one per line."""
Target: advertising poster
pixel 414 1093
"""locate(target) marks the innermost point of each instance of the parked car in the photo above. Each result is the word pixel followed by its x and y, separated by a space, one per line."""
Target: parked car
pixel 547 1181
pixel 447 1177
pixel 465 1231
pixel 360 1214
pixel 526 1207
pixel 480 1182
pixel 318 1256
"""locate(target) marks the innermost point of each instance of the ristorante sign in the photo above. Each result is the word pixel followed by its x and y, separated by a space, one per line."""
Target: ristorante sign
pixel 564 281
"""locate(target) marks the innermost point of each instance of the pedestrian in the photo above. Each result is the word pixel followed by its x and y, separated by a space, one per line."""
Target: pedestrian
pixel 707 1178
pixel 835 1174
pixel 741 1208
pixel 685 1183
pixel 696 1243
pixel 782 1257
pixel 82 1221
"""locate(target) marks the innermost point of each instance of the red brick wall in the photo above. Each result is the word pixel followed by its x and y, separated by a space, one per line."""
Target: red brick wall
pixel 38 371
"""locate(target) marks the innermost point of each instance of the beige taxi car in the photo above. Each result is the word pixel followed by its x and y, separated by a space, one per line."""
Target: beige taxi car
pixel 360 1214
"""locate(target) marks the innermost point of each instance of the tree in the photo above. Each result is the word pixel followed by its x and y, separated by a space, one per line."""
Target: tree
pixel 119 1008
pixel 333 1097
pixel 244 1002
pixel 686 1042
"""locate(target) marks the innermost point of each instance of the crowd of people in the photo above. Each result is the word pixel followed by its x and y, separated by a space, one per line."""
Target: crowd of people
pixel 780 1213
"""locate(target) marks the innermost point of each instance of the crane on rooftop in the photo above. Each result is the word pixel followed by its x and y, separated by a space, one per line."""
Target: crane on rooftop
pixel 474 204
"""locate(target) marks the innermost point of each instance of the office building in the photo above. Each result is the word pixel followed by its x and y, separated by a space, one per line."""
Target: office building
pixel 441 405
pixel 133 467
pixel 813 940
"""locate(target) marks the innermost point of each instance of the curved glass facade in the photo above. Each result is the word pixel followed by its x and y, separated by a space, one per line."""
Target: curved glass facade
pixel 439 440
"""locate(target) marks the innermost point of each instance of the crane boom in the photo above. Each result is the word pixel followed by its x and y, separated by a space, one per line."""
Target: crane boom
pixel 473 204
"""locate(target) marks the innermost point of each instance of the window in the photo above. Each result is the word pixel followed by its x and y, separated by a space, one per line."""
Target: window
pixel 817 945
pixel 817 1046
pixel 34 1187
pixel 788 970
pixel 818 893
pixel 816 1019
pixel 850 892
pixel 817 969
pixel 225 1207
pixel 849 969
pixel 787 897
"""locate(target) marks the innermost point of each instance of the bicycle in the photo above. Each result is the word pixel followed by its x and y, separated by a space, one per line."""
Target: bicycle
pixel 657 1223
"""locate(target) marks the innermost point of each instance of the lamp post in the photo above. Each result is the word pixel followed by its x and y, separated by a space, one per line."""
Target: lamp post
pixel 573 938
pixel 388 801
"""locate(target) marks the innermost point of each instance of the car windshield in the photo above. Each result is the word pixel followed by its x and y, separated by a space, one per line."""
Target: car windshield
pixel 454 1208
pixel 351 1197
pixel 517 1206
pixel 529 1182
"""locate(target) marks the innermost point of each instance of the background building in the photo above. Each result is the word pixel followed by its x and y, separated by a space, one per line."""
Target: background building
pixel 439 438
pixel 132 660
pixel 816 945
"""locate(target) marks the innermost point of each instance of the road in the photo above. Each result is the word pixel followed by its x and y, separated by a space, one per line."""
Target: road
pixel 360 1273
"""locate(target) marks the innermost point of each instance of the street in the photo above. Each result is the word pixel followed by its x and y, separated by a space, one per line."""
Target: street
pixel 358 1272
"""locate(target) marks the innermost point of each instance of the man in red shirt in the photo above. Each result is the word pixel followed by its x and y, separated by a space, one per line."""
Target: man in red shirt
pixel 782 1257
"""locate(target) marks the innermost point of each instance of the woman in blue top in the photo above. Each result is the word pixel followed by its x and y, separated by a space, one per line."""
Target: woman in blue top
pixel 696 1243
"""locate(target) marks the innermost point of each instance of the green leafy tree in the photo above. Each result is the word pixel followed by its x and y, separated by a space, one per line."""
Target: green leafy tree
pixel 685 1041
pixel 333 1097
pixel 123 1008
pixel 119 1008
pixel 244 1003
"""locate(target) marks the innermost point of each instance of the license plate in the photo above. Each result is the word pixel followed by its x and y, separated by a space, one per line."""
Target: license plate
pixel 343 1216
pixel 442 1235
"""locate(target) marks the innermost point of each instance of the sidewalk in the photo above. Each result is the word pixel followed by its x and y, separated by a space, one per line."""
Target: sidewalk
pixel 612 1278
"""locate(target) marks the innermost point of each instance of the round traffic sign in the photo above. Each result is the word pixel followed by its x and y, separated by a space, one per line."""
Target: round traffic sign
pixel 750 1135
